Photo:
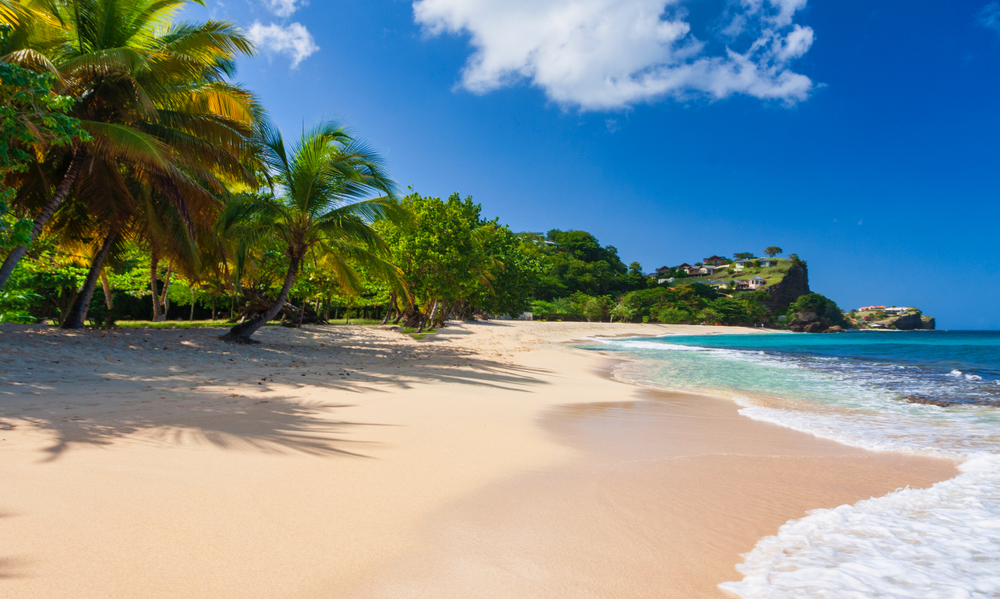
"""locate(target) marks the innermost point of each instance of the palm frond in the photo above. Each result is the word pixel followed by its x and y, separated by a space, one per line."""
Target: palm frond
pixel 127 144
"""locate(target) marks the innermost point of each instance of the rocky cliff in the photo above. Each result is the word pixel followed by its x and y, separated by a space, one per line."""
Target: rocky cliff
pixel 793 286
pixel 912 322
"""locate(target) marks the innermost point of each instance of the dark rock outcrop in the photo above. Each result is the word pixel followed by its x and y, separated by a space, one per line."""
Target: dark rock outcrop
pixel 944 403
pixel 792 287
pixel 927 323
pixel 910 322
pixel 805 317
pixel 809 322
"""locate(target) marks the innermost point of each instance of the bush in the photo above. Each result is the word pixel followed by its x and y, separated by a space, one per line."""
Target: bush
pixel 672 315
pixel 821 305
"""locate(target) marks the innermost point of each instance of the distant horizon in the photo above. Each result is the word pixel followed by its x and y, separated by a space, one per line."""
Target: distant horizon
pixel 863 141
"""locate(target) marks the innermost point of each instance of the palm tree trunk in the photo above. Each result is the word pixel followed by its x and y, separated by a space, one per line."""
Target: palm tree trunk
pixel 390 308
pixel 430 318
pixel 154 266
pixel 241 333
pixel 43 217
pixel 106 286
pixel 78 312
pixel 434 313
pixel 192 304
pixel 164 299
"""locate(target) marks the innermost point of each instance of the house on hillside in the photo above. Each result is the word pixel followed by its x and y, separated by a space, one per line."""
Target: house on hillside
pixel 898 311
pixel 751 263
pixel 871 309
pixel 715 261
pixel 693 271
pixel 752 284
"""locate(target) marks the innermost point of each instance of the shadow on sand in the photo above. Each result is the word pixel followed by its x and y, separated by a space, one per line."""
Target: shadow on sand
pixel 184 386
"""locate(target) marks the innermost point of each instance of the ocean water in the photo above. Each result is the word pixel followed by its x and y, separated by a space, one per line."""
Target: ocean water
pixel 925 393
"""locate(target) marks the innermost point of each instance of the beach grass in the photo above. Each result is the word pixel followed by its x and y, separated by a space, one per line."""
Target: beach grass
pixel 411 331
pixel 196 324
pixel 172 324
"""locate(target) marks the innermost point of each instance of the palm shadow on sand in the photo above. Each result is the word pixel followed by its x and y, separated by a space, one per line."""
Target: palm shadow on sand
pixel 184 389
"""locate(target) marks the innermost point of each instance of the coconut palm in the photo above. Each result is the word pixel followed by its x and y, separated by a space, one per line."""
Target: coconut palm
pixel 322 208
pixel 153 97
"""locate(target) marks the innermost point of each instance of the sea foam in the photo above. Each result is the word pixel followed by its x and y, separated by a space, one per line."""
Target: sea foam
pixel 941 542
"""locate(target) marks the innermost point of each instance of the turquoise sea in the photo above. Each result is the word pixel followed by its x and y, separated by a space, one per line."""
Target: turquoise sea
pixel 927 393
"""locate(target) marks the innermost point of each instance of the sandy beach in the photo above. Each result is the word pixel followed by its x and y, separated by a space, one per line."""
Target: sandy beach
pixel 490 460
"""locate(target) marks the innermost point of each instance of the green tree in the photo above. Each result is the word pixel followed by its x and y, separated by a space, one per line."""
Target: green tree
pixel 322 209
pixel 33 120
pixel 743 255
pixel 458 264
pixel 773 251
pixel 820 305
pixel 163 121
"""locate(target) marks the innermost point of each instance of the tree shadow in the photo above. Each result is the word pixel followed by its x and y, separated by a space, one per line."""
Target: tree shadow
pixel 12 567
pixel 177 386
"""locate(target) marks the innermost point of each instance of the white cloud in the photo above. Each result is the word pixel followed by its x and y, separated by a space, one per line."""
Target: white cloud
pixel 989 16
pixel 292 40
pixel 610 54
pixel 284 8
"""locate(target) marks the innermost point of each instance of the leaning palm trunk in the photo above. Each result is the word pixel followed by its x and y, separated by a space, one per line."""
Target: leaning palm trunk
pixel 390 309
pixel 106 285
pixel 43 217
pixel 241 333
pixel 429 318
pixel 78 312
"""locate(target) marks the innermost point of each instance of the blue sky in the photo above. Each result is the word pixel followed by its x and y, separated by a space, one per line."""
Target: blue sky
pixel 862 135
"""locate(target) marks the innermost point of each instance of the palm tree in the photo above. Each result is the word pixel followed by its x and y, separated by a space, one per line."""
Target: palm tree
pixel 153 97
pixel 321 208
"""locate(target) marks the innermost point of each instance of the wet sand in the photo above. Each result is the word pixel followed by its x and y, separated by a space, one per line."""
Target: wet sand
pixel 668 491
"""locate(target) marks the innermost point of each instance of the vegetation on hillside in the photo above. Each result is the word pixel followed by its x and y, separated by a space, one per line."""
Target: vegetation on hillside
pixel 141 183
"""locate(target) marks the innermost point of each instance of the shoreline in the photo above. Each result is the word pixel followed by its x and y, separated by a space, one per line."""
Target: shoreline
pixel 516 515
pixel 325 461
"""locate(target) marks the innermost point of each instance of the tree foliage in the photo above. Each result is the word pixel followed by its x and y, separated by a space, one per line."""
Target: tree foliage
pixel 454 258
pixel 820 305
pixel 574 261
pixel 33 120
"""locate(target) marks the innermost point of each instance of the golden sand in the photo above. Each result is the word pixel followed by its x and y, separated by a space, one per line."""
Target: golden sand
pixel 355 462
